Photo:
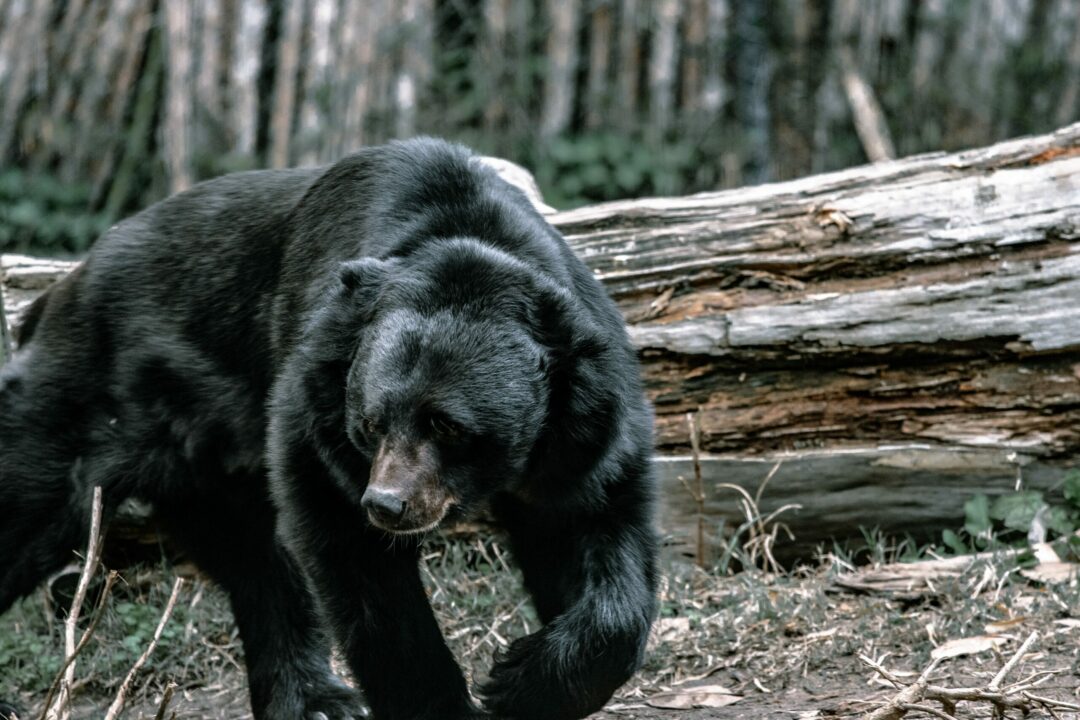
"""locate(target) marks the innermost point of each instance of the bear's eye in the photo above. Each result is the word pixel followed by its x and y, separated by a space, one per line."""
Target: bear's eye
pixel 368 426
pixel 446 428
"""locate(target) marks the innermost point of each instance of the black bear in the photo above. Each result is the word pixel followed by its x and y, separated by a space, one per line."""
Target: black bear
pixel 291 366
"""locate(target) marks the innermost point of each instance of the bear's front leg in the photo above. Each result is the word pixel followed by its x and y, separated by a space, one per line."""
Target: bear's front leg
pixel 593 579
pixel 370 594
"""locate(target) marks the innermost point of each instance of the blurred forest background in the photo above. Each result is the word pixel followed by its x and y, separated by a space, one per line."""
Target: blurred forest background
pixel 108 105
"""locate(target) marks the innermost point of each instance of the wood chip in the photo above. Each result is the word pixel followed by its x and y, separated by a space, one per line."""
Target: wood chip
pixel 996 628
pixel 1052 573
pixel 702 696
pixel 967 646
pixel 667 630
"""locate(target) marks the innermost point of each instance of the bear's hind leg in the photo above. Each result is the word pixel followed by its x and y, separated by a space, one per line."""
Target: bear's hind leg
pixel 38 536
pixel 44 503
pixel 44 513
pixel 228 531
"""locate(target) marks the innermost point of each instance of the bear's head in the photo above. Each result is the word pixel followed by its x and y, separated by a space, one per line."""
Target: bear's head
pixel 466 359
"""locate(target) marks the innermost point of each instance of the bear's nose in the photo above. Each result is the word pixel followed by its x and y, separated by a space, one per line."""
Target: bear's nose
pixel 383 505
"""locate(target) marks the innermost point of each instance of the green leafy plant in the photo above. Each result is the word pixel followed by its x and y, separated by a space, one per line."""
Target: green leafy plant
pixel 1010 518
pixel 139 621
pixel 27 649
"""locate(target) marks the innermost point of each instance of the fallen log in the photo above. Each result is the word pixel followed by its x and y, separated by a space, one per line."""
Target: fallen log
pixel 899 336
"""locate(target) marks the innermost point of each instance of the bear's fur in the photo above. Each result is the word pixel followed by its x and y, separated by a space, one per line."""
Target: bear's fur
pixel 293 365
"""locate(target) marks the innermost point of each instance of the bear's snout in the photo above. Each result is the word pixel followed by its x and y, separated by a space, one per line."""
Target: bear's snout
pixel 404 493
pixel 385 505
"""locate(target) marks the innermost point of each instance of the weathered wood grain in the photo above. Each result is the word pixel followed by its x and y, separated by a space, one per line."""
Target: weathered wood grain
pixel 900 335
pixel 930 299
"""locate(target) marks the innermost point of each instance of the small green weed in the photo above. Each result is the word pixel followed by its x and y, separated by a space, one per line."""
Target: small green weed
pixel 1013 518
pixel 27 648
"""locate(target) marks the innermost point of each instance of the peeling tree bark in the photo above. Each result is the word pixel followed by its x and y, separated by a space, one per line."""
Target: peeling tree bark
pixel 898 336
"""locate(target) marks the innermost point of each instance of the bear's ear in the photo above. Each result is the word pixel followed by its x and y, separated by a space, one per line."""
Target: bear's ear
pixel 363 282
pixel 363 274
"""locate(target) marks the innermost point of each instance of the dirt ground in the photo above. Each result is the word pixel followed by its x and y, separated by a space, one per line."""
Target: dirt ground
pixel 773 646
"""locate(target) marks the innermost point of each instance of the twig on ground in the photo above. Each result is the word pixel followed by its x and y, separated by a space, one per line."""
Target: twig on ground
pixel 928 710
pixel 896 682
pixel 1013 662
pixel 1016 696
pixel 910 696
pixel 61 708
pixel 166 698
pixel 1050 703
pixel 697 492
pixel 1035 678
pixel 121 693
pixel 99 610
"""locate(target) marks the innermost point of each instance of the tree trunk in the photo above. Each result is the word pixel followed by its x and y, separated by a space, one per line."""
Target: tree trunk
pixel 598 82
pixel 285 90
pixel 178 88
pixel 870 123
pixel 1069 27
pixel 100 81
pixel 753 76
pixel 244 72
pixel 31 22
pixel 663 67
pixel 360 24
pixel 123 87
pixel 897 336
pixel 208 86
pixel 562 59
pixel 317 81
pixel 417 63
pixel 627 99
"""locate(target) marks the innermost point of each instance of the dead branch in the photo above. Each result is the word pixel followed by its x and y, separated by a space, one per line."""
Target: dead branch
pixel 1017 696
pixel 870 124
pixel 166 698
pixel 693 420
pixel 61 709
pixel 1008 667
pixel 99 610
pixel 907 697
pixel 121 693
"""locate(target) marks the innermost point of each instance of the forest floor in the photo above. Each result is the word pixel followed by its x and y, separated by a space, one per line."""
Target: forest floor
pixel 747 645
